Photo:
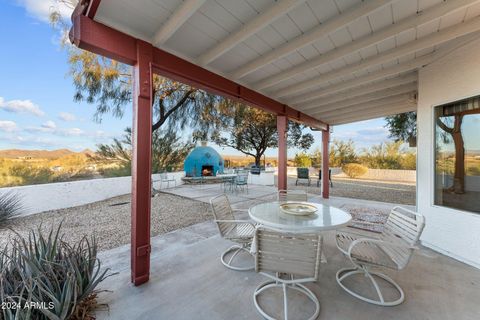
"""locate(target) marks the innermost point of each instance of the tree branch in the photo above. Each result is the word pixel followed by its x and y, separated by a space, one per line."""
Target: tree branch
pixel 444 127
pixel 164 116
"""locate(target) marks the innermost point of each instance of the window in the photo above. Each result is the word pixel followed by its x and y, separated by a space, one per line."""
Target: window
pixel 457 155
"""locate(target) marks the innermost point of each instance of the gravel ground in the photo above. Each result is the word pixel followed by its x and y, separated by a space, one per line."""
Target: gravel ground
pixel 109 220
pixel 384 191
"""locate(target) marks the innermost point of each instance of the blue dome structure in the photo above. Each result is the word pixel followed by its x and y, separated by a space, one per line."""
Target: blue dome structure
pixel 203 161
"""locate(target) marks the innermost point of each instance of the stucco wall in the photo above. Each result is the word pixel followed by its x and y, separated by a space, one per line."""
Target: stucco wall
pixel 51 196
pixel 455 76
pixel 372 174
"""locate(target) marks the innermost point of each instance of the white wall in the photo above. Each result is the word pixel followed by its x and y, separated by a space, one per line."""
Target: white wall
pixel 265 178
pixel 52 196
pixel 387 175
pixel 453 77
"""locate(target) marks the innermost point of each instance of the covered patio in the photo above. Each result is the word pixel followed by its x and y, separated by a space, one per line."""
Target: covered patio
pixel 189 282
pixel 320 63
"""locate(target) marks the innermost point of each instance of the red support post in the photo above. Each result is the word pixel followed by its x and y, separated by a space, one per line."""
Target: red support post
pixel 325 164
pixel 282 122
pixel 141 163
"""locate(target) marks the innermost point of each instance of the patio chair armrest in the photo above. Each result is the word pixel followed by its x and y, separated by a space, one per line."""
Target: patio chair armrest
pixel 379 243
pixel 235 221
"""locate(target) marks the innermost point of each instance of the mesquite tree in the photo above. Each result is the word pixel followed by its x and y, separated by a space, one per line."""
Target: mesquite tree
pixel 455 132
pixel 252 131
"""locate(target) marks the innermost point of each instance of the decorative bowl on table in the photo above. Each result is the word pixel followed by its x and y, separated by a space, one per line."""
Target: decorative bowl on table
pixel 298 208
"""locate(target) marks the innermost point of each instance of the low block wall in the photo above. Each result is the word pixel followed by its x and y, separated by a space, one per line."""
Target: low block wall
pixel 52 196
pixel 372 174
pixel 265 178
pixel 387 175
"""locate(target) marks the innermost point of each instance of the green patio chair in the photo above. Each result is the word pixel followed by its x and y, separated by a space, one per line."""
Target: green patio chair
pixel 329 177
pixel 302 174
pixel 241 180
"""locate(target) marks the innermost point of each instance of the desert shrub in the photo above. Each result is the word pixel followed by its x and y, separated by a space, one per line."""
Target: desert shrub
pixel 354 170
pixel 10 206
pixel 31 174
pixel 342 152
pixel 302 160
pixel 58 279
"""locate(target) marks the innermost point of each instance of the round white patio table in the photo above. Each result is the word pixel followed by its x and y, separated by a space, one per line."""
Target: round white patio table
pixel 325 218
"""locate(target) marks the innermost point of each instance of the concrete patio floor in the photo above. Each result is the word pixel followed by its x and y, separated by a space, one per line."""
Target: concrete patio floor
pixel 189 282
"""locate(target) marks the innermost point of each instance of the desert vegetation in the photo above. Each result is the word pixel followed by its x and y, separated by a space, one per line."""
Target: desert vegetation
pixel 390 155
pixel 15 171
pixel 10 207
pixel 44 277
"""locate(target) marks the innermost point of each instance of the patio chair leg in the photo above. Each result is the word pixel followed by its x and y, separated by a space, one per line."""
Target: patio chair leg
pixel 236 250
pixel 344 273
pixel 296 286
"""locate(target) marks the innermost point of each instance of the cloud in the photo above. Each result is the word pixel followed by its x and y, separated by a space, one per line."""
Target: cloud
pixel 41 9
pixel 367 136
pixel 51 128
pixel 21 106
pixel 72 132
pixel 65 116
pixel 8 126
pixel 373 131
pixel 49 125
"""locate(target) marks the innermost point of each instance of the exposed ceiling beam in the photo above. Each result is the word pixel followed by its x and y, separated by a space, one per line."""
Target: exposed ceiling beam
pixel 368 106
pixel 369 97
pixel 362 117
pixel 256 24
pixel 383 112
pixel 437 38
pixel 322 30
pixel 176 20
pixel 377 75
pixel 366 89
pixel 420 18
pixel 96 37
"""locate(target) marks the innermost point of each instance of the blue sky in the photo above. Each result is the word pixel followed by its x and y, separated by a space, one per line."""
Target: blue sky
pixel 36 106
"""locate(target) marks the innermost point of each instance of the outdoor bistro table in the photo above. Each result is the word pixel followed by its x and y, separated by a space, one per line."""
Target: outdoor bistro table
pixel 325 218
pixel 227 178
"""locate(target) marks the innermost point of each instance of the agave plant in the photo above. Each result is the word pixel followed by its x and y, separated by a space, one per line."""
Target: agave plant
pixel 10 206
pixel 54 279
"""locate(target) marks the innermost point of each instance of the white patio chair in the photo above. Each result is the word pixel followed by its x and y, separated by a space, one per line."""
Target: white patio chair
pixel 393 249
pixel 292 195
pixel 164 178
pixel 288 260
pixel 239 231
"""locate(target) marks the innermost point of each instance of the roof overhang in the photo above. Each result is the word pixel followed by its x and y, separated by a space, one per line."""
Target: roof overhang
pixel 318 62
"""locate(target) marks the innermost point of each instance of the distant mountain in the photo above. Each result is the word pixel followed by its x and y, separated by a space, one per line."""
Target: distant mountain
pixel 39 154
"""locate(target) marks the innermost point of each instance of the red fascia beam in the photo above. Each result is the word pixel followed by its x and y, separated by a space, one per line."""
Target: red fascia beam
pixel 95 37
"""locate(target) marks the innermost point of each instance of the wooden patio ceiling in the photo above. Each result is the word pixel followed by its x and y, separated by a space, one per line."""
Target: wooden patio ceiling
pixel 337 61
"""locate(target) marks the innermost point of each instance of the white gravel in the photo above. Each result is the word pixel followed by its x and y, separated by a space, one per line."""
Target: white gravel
pixel 109 220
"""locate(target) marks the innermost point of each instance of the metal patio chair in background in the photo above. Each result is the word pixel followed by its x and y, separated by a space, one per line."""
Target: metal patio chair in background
pixel 303 174
pixel 165 178
pixel 320 177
